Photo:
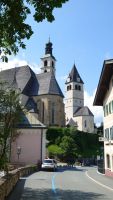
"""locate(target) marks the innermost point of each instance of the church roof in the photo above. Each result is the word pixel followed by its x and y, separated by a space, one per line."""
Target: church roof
pixel 48 84
pixel 71 122
pixel 83 111
pixel 31 105
pixel 29 83
pixel 74 76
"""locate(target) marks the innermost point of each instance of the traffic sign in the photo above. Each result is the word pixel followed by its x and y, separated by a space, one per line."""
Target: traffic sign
pixel 103 139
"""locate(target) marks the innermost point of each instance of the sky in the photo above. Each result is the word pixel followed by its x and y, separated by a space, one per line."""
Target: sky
pixel 82 33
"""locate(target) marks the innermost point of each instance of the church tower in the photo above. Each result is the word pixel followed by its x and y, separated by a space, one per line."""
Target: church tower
pixel 48 60
pixel 74 93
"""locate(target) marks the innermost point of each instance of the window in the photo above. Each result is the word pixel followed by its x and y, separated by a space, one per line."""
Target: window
pixel 52 64
pixel 107 133
pixel 53 113
pixel 43 112
pixel 104 108
pixel 85 123
pixel 45 63
pixel 68 87
pixel 111 133
pixel 108 160
pixel 77 87
pixel 107 110
pixel 110 108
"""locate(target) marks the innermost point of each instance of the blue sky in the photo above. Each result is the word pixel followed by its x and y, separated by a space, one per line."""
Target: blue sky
pixel 82 33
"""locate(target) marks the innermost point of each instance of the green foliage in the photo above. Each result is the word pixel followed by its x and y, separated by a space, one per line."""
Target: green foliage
pixel 13 26
pixel 10 111
pixel 74 143
pixel 54 150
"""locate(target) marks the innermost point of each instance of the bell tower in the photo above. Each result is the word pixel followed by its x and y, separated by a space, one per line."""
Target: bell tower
pixel 74 93
pixel 48 60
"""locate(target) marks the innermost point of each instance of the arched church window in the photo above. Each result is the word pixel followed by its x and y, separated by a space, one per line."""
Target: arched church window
pixel 45 70
pixel 68 87
pixel 79 87
pixel 45 63
pixel 53 113
pixel 43 112
pixel 76 87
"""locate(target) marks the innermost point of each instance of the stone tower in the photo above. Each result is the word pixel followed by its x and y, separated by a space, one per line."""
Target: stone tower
pixel 74 93
pixel 48 60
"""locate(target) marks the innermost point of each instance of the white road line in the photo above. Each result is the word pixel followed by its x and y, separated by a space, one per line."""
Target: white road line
pixel 105 186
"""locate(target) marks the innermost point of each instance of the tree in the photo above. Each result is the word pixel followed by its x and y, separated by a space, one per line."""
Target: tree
pixel 10 111
pixel 69 148
pixel 13 26
pixel 54 151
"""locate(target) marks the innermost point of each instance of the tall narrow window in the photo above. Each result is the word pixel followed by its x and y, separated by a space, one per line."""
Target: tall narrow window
pixel 108 160
pixel 45 63
pixel 85 123
pixel 111 133
pixel 43 112
pixel 53 113
pixel 76 87
pixel 52 64
pixel 107 133
pixel 68 87
pixel 104 108
pixel 79 87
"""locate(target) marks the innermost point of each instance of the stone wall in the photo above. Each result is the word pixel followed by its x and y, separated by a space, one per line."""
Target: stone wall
pixel 8 182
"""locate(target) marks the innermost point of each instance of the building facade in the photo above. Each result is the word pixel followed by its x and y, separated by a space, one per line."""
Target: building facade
pixel 76 113
pixel 104 97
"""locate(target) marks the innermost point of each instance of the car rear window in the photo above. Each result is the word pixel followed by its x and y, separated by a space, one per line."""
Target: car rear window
pixel 48 161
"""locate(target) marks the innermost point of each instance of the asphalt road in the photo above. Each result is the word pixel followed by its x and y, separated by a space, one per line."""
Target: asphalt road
pixel 65 184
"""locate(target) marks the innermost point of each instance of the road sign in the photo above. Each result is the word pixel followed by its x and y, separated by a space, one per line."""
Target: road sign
pixel 102 139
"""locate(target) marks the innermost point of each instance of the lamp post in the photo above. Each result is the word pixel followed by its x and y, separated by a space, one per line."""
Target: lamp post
pixel 18 152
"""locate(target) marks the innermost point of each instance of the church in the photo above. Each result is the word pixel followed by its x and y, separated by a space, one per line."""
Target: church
pixel 42 99
pixel 77 114
pixel 40 93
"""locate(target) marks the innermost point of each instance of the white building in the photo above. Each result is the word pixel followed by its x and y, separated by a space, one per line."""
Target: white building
pixel 104 97
pixel 76 113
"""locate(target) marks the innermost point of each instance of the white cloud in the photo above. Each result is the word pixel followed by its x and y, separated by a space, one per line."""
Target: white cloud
pixel 16 62
pixel 96 110
pixel 12 63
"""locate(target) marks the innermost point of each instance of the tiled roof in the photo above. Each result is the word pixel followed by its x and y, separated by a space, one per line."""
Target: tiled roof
pixel 83 111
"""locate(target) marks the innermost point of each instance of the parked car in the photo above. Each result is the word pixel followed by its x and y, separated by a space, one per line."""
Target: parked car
pixel 49 164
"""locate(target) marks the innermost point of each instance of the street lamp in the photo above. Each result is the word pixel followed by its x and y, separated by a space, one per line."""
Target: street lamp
pixel 18 152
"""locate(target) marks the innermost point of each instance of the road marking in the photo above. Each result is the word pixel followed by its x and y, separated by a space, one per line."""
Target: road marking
pixel 105 186
pixel 53 183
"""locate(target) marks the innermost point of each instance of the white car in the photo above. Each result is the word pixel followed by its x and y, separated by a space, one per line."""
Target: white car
pixel 49 164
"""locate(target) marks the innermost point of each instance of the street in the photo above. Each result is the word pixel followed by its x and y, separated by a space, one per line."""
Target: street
pixel 67 183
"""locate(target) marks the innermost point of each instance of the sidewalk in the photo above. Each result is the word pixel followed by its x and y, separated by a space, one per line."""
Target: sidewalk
pixel 102 179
